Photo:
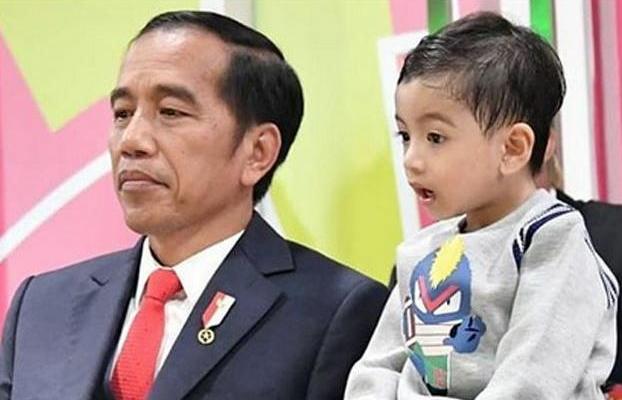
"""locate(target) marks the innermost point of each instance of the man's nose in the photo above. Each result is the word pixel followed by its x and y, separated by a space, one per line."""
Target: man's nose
pixel 137 139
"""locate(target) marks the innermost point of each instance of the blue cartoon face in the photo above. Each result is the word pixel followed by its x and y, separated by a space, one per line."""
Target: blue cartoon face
pixel 444 301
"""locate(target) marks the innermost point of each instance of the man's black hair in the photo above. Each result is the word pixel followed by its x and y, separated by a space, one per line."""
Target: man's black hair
pixel 504 73
pixel 258 85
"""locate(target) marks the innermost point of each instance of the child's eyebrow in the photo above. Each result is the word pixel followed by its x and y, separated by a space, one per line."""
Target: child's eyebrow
pixel 399 119
pixel 433 115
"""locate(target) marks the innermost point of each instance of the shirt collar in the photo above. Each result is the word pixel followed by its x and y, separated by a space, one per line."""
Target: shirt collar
pixel 194 272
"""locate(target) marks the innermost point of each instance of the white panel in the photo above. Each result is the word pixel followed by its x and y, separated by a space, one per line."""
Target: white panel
pixel 217 6
pixel 390 50
pixel 455 9
pixel 517 11
pixel 572 30
pixel 241 10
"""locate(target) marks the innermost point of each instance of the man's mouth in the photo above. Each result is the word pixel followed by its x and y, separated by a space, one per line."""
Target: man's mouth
pixel 137 180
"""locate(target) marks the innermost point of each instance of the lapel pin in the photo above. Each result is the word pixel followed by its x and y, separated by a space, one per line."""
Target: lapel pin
pixel 213 315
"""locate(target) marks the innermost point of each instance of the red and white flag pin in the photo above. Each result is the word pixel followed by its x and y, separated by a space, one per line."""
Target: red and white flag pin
pixel 213 315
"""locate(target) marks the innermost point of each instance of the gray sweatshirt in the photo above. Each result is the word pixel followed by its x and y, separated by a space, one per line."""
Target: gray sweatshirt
pixel 521 309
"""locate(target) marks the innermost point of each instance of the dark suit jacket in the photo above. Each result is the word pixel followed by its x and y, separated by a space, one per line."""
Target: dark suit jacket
pixel 604 224
pixel 299 322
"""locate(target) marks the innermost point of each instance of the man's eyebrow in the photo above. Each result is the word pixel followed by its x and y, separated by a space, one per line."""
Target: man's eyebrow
pixel 176 91
pixel 118 93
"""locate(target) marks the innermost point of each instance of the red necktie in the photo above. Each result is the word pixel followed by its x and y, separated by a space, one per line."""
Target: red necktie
pixel 133 374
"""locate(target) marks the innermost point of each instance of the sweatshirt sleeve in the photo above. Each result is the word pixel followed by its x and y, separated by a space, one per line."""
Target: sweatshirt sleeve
pixel 560 341
pixel 376 375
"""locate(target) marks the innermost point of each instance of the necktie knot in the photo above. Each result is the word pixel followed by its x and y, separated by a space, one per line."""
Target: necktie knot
pixel 162 285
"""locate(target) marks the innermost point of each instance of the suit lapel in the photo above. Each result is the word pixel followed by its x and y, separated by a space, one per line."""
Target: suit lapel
pixel 98 311
pixel 241 275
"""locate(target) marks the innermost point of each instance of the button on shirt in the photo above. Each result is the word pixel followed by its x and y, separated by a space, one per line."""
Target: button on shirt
pixel 194 274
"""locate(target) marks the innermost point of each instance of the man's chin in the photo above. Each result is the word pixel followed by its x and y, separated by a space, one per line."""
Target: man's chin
pixel 143 225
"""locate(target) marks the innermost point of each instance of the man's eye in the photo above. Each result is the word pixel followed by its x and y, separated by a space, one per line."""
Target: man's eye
pixel 404 136
pixel 171 112
pixel 121 115
pixel 435 138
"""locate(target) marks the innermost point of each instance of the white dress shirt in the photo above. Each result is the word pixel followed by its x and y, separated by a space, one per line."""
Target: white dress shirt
pixel 194 273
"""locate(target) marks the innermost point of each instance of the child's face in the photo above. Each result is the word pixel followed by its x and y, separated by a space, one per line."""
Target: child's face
pixel 452 167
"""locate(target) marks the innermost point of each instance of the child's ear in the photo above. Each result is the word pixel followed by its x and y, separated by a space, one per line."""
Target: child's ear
pixel 517 148
pixel 261 145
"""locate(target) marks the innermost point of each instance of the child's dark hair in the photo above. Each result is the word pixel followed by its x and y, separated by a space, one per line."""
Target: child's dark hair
pixel 504 73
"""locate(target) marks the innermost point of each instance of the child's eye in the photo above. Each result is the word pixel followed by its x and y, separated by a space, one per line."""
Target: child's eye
pixel 404 136
pixel 435 138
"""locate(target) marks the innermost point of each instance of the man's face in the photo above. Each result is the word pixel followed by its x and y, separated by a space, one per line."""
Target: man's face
pixel 176 165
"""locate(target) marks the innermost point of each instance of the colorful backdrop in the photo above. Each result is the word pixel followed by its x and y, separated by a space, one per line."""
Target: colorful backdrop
pixel 342 189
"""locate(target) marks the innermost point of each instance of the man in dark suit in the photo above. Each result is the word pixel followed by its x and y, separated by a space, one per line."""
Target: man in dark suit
pixel 211 303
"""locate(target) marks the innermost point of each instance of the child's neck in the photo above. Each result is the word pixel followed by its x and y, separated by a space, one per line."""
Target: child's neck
pixel 507 200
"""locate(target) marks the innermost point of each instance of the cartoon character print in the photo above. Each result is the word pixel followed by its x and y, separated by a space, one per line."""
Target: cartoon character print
pixel 437 315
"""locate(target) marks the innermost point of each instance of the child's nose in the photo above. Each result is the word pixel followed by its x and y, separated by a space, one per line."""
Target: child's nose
pixel 414 160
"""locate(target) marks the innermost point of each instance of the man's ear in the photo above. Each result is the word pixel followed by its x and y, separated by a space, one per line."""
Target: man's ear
pixel 262 144
pixel 517 148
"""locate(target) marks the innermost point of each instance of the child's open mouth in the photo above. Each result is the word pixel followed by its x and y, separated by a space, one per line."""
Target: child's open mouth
pixel 425 195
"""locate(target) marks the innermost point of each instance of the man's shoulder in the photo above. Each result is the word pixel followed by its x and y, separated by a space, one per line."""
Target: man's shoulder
pixel 90 266
pixel 318 270
pixel 316 262
pixel 305 255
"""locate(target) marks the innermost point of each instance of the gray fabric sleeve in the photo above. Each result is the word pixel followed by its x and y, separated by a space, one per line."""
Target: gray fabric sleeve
pixel 559 308
pixel 377 374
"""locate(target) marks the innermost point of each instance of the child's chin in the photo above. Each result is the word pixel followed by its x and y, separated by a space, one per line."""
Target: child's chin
pixel 441 215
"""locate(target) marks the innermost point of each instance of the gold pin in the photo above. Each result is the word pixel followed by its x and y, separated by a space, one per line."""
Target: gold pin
pixel 206 336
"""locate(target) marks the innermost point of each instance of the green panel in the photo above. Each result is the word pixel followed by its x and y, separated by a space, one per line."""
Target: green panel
pixel 439 14
pixel 541 15
pixel 69 51
pixel 337 192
